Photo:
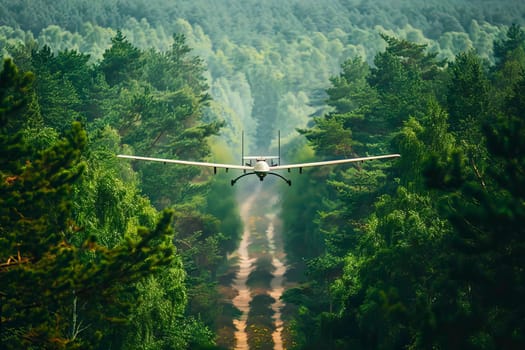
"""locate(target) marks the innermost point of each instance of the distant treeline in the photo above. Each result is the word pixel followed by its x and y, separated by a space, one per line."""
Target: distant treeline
pixel 247 20
pixel 268 64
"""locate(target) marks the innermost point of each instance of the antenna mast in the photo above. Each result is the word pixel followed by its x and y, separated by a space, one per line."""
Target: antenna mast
pixel 279 146
pixel 242 147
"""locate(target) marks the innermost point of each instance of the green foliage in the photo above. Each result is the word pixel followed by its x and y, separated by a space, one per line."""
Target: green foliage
pixel 45 275
pixel 121 62
pixel 98 231
pixel 160 112
pixel 287 55
pixel 223 205
pixel 435 263
pixel 54 279
pixel 157 320
pixel 13 93
pixel 510 55
pixel 302 239
pixel 515 39
pixel 486 211
pixel 108 202
pixel 402 77
pixel 400 256
pixel 468 96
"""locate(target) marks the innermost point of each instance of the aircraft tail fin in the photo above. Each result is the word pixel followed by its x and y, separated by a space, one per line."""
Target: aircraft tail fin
pixel 259 157
pixel 250 158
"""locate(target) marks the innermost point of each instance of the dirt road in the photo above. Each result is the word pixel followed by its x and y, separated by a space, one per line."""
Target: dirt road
pixel 259 282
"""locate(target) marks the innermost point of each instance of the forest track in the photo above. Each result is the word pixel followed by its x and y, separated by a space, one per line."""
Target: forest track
pixel 245 267
pixel 259 280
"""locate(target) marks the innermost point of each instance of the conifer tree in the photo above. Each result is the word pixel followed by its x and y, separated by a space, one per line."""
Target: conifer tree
pixel 121 61
pixel 485 253
pixel 44 277
pixel 515 39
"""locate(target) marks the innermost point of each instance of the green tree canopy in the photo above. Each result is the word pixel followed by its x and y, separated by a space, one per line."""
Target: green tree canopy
pixel 46 273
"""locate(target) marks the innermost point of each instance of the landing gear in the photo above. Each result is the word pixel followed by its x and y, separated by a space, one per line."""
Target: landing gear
pixel 243 175
pixel 261 177
pixel 289 182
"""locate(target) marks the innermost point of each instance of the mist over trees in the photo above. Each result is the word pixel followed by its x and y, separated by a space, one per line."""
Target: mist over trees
pixel 422 252
pixel 252 19
pixel 294 47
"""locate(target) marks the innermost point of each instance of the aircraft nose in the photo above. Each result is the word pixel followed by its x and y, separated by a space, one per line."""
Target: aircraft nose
pixel 261 167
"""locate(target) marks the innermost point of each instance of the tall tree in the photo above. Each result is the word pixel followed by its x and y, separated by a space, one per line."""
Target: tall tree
pixel 469 105
pixel 56 94
pixel 510 63
pixel 121 62
pixel 486 251
pixel 468 96
pixel 402 77
pixel 515 39
pixel 14 95
pixel 46 273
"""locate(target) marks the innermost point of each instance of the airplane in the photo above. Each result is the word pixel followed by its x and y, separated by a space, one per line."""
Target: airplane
pixel 264 165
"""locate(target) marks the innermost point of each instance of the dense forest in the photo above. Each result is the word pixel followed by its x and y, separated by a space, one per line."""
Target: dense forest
pixel 425 252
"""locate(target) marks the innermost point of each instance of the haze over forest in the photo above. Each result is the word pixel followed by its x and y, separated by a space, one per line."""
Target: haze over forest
pixel 251 47
pixel 422 252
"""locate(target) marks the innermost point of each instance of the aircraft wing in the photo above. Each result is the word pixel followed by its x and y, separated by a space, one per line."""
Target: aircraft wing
pixel 332 162
pixel 187 162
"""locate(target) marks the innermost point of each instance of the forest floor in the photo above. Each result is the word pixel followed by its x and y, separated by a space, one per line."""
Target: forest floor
pixel 255 280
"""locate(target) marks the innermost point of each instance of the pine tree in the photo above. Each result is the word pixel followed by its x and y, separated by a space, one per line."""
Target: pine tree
pixel 121 62
pixel 46 280
pixel 485 252
pixel 515 39
pixel 35 255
